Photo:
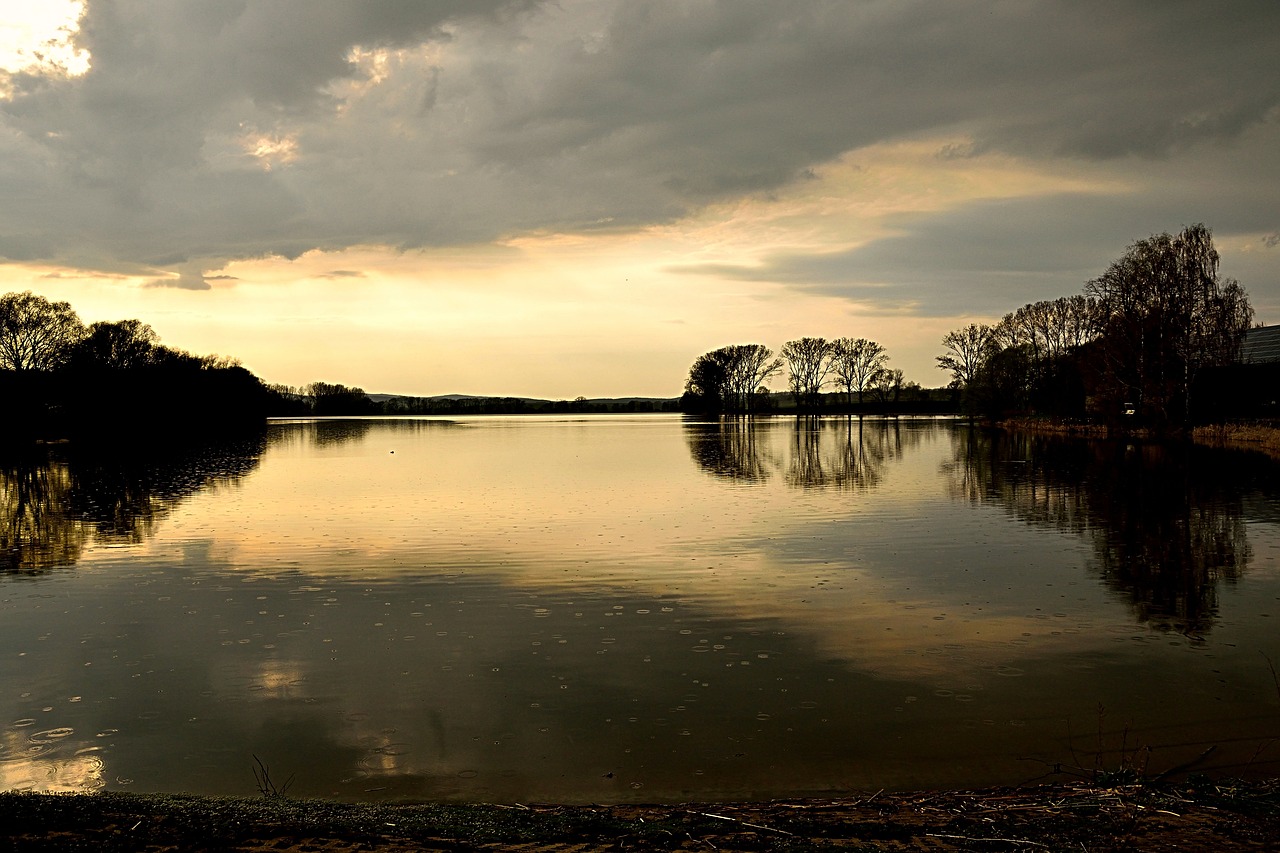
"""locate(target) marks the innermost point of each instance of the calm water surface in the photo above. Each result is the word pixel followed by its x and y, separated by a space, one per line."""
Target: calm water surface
pixel 633 608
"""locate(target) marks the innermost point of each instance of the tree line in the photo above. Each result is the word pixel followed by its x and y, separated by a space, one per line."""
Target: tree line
pixel 733 379
pixel 322 399
pixel 1144 344
pixel 62 378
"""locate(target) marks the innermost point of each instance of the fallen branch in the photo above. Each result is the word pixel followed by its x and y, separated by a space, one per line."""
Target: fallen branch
pixel 744 823
pixel 1186 765
pixel 971 838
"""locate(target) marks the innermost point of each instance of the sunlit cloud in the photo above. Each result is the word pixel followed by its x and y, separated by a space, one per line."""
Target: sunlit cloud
pixel 39 38
pixel 477 184
pixel 273 150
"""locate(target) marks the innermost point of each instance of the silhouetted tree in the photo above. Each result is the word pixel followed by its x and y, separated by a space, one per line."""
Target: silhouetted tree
pixel 732 375
pixel 330 399
pixel 707 387
pixel 967 352
pixel 808 363
pixel 1002 385
pixel 1165 315
pixel 888 385
pixel 36 334
pixel 123 345
pixel 855 363
pixel 751 367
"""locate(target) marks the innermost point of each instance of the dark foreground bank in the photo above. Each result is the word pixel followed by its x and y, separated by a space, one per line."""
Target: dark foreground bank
pixel 1219 816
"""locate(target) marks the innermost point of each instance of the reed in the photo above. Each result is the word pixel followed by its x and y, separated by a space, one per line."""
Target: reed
pixel 1261 437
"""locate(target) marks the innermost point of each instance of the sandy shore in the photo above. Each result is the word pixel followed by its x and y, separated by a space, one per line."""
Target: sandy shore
pixel 1201 816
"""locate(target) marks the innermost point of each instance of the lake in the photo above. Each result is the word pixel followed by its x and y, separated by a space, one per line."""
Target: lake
pixel 621 608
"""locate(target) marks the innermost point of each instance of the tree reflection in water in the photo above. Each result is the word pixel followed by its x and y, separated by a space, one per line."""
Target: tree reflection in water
pixel 55 501
pixel 37 532
pixel 832 453
pixel 321 433
pixel 729 448
pixel 325 433
pixel 1166 521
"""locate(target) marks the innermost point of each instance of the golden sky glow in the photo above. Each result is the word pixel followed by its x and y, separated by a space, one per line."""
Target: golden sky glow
pixel 38 34
pixel 579 201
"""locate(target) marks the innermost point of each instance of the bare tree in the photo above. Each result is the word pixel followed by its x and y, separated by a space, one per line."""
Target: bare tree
pixel 36 334
pixel 1076 318
pixel 967 351
pixel 808 363
pixel 888 385
pixel 855 363
pixel 1047 329
pixel 334 399
pixel 1164 316
pixel 751 367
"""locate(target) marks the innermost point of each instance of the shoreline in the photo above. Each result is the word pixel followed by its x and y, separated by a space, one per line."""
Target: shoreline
pixel 1261 438
pixel 1222 815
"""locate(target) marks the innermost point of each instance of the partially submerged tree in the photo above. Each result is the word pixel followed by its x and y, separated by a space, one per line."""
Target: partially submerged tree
pixel 888 385
pixel 855 363
pixel 808 363
pixel 730 378
pixel 707 387
pixel 753 365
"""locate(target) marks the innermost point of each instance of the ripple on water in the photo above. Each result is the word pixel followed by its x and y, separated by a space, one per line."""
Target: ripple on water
pixel 49 735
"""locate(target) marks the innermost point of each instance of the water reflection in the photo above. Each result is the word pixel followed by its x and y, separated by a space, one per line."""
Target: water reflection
pixel 1166 522
pixel 55 501
pixel 36 529
pixel 730 449
pixel 837 453
pixel 28 762
pixel 502 609
pixel 334 432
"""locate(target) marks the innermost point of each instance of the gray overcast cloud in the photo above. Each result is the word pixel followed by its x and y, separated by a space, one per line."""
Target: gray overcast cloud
pixel 488 119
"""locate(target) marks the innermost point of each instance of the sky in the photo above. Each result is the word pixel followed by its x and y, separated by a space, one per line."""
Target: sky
pixel 578 198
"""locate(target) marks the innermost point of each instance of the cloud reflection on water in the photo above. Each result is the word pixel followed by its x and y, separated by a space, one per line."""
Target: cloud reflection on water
pixel 489 607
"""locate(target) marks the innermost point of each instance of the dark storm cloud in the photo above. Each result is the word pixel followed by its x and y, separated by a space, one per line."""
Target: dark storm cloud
pixel 582 115
pixel 717 97
pixel 984 258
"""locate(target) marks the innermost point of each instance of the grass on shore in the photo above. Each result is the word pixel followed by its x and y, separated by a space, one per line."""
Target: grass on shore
pixel 1264 438
pixel 1198 814
pixel 1261 437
